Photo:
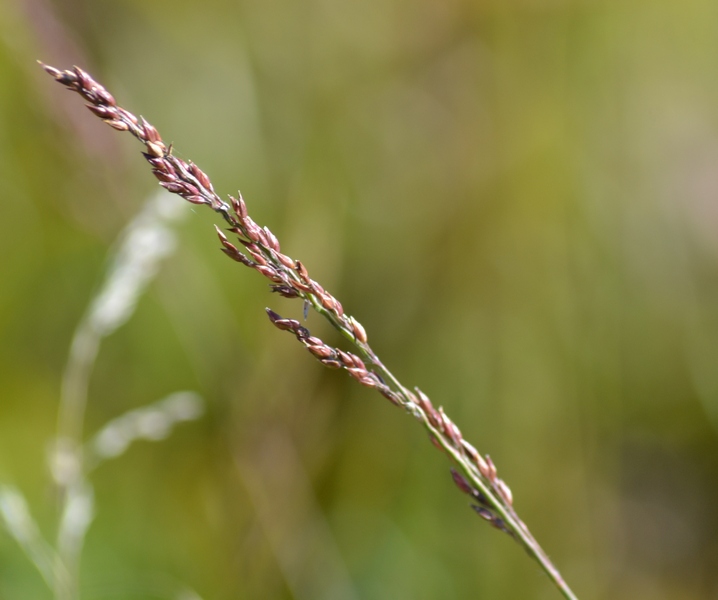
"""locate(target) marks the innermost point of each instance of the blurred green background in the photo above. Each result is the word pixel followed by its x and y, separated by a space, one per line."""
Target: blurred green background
pixel 518 199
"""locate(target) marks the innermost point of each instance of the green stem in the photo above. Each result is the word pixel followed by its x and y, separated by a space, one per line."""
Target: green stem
pixel 507 513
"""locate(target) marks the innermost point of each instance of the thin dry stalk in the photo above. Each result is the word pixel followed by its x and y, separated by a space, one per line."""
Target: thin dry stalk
pixel 259 249
pixel 148 239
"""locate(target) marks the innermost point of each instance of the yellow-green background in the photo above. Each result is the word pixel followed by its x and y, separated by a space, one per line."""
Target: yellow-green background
pixel 518 199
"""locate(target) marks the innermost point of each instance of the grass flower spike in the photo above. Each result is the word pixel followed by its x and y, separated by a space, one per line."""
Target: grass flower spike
pixel 258 248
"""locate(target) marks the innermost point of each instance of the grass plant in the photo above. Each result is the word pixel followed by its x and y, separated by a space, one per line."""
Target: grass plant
pixel 259 249
pixel 145 242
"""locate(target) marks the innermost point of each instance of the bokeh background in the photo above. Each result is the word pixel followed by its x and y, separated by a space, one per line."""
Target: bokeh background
pixel 518 199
